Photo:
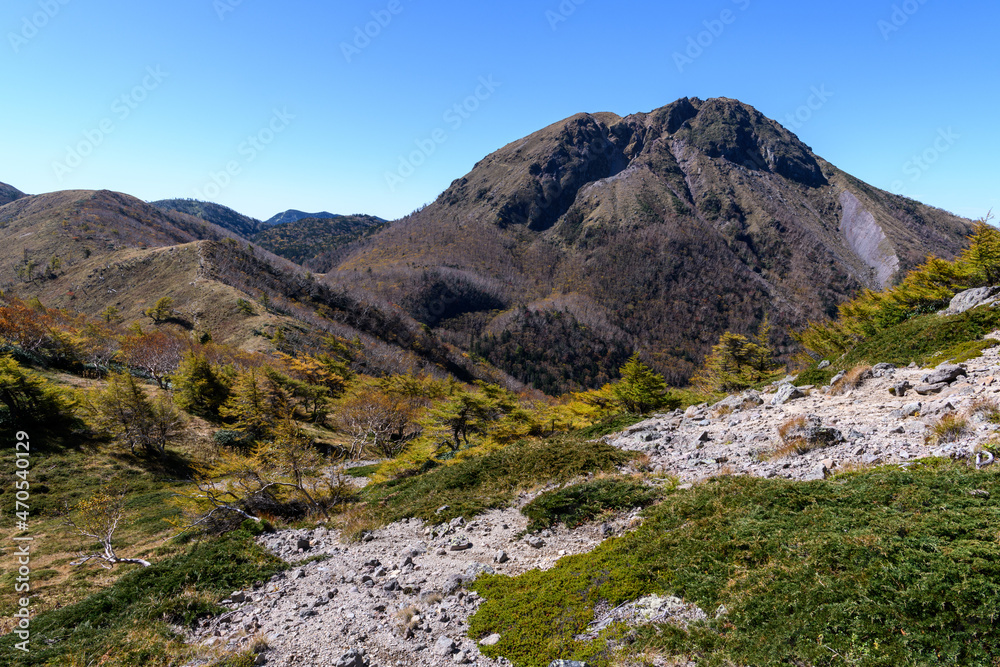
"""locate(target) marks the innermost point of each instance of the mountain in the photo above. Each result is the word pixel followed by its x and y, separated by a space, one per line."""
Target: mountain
pixel 217 214
pixel 9 193
pixel 89 250
pixel 317 243
pixel 292 215
pixel 656 232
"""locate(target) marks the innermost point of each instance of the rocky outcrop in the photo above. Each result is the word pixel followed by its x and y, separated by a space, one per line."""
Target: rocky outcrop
pixel 867 240
pixel 973 298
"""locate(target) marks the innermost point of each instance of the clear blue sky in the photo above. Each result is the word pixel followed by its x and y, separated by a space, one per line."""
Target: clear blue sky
pixel 201 76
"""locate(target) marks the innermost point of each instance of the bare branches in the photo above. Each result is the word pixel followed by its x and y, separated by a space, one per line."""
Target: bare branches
pixel 98 518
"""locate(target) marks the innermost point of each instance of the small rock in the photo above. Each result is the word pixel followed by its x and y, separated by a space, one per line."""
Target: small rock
pixel 927 389
pixel 567 663
pixel 492 640
pixel 837 378
pixel 352 659
pixel 980 493
pixel 704 436
pixel 501 557
pixel 444 646
pixel 442 509
pixel 823 365
pixel 303 544
pixel 536 542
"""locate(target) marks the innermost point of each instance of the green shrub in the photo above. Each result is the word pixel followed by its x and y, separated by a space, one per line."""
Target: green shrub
pixel 884 567
pixel 578 504
pixel 176 591
pixel 475 485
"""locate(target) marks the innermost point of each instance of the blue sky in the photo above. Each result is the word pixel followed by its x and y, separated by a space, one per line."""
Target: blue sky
pixel 265 106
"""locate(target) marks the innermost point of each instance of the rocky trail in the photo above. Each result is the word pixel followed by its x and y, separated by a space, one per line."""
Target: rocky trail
pixel 397 598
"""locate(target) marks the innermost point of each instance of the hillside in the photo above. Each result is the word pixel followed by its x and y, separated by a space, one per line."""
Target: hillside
pixel 660 230
pixel 292 215
pixel 88 251
pixel 9 193
pixel 334 516
pixel 316 243
pixel 217 214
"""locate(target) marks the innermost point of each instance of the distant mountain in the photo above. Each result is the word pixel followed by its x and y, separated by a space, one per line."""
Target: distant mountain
pixel 215 213
pixel 88 250
pixel 317 243
pixel 9 193
pixel 655 232
pixel 292 215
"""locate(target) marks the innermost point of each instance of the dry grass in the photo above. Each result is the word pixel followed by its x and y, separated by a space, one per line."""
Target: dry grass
pixel 852 380
pixel 984 408
pixel 357 520
pixel 798 436
pixel 949 428
pixel 722 411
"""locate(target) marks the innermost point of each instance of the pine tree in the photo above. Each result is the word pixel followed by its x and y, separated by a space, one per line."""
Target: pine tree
pixel 641 389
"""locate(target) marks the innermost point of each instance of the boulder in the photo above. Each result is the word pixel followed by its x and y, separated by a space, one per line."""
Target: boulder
pixel 973 298
pixel 927 389
pixel 444 646
pixel 352 659
pixel 837 378
pixel 786 393
pixel 492 640
pixel 900 389
pixel 945 374
pixel 882 370
pixel 909 410
pixel 823 365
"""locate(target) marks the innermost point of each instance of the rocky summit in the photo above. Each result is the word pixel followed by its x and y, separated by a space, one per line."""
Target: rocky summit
pixel 657 231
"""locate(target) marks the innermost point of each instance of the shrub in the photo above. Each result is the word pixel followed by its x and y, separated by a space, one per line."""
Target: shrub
pixel 801 435
pixel 870 563
pixel 123 411
pixel 984 408
pixel 575 505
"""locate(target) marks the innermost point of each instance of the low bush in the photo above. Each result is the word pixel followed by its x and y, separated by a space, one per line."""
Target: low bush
pixel 575 505
pixel 474 485
pixel 886 567
pixel 144 604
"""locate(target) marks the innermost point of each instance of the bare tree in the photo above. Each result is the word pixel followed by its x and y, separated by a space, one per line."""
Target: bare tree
pixel 98 518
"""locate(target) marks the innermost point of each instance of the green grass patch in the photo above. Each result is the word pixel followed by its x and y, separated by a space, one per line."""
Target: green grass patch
pixel 362 471
pixel 928 340
pixel 814 377
pixel 575 505
pixel 474 485
pixel 609 426
pixel 142 604
pixel 878 568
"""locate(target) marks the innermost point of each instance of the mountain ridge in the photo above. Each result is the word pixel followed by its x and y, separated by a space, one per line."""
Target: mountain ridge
pixel 9 193
pixel 672 225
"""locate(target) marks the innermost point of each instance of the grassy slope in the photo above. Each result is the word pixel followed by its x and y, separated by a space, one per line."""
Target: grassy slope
pixel 886 567
pixel 927 340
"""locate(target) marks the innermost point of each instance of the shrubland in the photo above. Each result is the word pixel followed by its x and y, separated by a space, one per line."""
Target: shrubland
pixel 209 445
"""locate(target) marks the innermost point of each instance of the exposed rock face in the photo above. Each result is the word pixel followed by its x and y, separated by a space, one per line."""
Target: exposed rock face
pixel 973 298
pixel 867 240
